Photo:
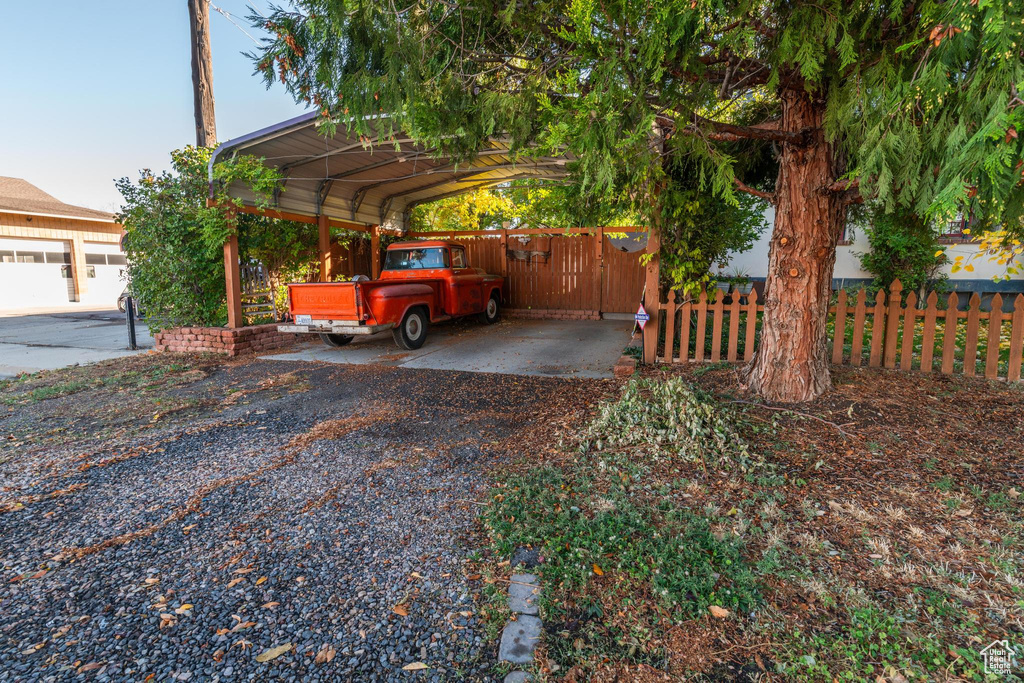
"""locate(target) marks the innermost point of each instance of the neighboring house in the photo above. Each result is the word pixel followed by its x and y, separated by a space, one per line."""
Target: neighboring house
pixel 753 263
pixel 52 253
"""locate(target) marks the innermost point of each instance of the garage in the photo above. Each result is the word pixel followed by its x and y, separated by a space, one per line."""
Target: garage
pixel 38 271
pixel 104 273
pixel 55 255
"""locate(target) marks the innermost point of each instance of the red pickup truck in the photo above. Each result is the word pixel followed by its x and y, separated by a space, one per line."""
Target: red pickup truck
pixel 420 283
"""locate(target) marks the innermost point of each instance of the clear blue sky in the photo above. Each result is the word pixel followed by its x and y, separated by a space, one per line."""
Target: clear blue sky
pixel 93 91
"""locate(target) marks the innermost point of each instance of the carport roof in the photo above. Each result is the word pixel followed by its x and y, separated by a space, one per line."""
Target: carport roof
pixel 365 180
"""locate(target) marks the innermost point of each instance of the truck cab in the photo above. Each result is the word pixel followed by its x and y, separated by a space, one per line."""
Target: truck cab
pixel 421 283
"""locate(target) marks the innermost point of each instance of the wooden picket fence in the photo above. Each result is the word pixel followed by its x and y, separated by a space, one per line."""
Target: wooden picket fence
pixel 896 332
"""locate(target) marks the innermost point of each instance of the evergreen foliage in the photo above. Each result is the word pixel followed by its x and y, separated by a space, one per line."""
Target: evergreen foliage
pixel 174 241
pixel 921 96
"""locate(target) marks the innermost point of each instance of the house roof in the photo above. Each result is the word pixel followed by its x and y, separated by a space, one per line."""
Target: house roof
pixel 20 196
pixel 365 179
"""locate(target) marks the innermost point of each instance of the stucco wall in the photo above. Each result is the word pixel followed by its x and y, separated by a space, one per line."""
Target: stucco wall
pixel 754 264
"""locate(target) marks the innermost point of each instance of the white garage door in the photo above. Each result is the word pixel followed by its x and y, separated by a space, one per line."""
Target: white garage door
pixel 35 273
pixel 105 267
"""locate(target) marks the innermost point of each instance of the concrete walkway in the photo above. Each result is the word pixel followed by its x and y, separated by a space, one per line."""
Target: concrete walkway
pixel 553 348
pixel 57 339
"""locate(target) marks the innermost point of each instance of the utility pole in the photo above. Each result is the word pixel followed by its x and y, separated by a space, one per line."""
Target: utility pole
pixel 202 72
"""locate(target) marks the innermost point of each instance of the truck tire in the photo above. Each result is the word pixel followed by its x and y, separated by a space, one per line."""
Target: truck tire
pixel 492 313
pixel 336 340
pixel 412 332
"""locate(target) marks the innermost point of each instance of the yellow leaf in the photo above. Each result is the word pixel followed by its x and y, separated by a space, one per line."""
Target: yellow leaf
pixel 718 612
pixel 184 608
pixel 969 267
pixel 966 231
pixel 234 582
pixel 400 610
pixel 260 581
pixel 598 570
pixel 939 253
pixel 415 666
pixel 274 653
pixel 270 605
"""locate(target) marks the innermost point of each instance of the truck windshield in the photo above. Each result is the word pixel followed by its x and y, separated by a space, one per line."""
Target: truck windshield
pixel 416 259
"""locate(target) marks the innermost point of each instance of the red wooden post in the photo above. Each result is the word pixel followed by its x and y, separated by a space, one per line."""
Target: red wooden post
pixel 375 251
pixel 839 329
pixel 928 338
pixel 233 277
pixel 995 328
pixel 1016 339
pixel 652 296
pixel 324 239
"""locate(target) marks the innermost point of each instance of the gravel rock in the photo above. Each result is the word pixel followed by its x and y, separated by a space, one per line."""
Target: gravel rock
pixel 302 507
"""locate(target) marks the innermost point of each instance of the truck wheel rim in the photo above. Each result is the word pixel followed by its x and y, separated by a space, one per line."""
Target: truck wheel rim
pixel 492 308
pixel 413 327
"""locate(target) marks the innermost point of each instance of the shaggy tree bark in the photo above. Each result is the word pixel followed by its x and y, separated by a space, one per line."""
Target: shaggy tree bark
pixel 792 359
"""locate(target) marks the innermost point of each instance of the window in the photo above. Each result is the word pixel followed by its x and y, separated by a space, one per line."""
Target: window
pixel 30 257
pixel 116 260
pixel 90 271
pixel 96 259
pixel 416 259
pixel 65 272
pixel 6 256
pixel 57 257
pixel 458 257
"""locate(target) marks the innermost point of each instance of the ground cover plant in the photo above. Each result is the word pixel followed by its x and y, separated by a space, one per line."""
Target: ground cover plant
pixel 688 530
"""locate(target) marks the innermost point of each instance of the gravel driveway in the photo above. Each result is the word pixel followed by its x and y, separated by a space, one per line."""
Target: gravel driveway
pixel 320 518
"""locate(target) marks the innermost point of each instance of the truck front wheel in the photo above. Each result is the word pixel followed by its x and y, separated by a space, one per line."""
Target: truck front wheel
pixel 412 331
pixel 336 340
pixel 492 312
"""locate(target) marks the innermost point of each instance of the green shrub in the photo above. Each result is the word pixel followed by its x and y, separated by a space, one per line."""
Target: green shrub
pixel 668 418
pixel 903 246
pixel 174 241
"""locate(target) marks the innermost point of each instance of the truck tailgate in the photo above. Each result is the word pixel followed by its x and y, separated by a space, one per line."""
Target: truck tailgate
pixel 325 300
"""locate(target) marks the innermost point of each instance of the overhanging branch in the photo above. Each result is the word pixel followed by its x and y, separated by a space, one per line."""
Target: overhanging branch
pixel 743 187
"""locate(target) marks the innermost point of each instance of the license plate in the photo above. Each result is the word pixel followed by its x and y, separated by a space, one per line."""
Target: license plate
pixel 303 320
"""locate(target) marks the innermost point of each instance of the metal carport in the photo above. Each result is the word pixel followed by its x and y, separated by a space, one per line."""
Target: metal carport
pixel 359 182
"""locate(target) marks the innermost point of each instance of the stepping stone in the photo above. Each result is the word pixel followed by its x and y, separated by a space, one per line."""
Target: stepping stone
pixel 523 593
pixel 518 677
pixel 519 639
pixel 526 557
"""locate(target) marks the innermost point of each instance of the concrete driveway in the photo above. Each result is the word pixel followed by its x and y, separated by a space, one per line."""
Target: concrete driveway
pixel 553 348
pixel 51 339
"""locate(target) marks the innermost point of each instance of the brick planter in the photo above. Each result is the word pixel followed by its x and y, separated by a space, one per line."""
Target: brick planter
pixel 232 342
pixel 550 314
pixel 625 367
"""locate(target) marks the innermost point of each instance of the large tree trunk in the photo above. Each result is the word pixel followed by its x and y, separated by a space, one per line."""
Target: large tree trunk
pixel 792 359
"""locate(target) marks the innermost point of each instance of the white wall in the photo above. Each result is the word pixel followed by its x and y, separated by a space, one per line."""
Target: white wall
pixel 754 262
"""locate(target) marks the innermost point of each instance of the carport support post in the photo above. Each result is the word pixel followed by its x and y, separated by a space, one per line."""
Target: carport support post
pixel 652 295
pixel 375 251
pixel 324 229
pixel 233 275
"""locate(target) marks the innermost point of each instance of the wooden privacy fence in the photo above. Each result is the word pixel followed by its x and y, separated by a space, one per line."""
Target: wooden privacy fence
pixel 561 273
pixel 895 331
